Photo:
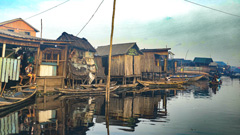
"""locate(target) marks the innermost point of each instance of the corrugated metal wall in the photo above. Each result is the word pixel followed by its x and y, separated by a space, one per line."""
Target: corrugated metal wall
pixel 9 69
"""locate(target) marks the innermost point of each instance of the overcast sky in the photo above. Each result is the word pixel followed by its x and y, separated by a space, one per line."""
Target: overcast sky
pixel 177 24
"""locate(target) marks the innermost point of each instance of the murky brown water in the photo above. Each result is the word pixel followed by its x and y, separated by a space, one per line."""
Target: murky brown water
pixel 196 110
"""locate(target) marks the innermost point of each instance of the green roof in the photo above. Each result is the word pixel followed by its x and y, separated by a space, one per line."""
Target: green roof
pixel 201 60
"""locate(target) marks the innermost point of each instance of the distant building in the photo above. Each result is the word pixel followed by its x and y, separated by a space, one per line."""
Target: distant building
pixel 154 60
pixel 201 61
pixel 178 62
pixel 223 68
pixel 19 26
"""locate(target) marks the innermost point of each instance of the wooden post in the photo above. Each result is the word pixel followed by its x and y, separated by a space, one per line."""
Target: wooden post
pixel 3 50
pixel 45 85
pixel 134 80
pixel 65 62
pixel 110 56
pixel 58 59
pixel 37 61
pixel 73 83
pixel 63 83
pixel 41 28
pixel 165 65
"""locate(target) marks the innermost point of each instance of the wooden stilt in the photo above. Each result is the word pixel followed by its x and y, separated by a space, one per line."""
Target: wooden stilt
pixel 45 85
pixel 134 80
pixel 100 81
pixel 73 84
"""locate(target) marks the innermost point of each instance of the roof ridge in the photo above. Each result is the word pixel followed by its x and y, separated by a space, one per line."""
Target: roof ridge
pixel 18 19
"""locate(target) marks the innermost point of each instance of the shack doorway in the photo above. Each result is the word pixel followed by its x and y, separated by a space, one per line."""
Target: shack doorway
pixel 105 64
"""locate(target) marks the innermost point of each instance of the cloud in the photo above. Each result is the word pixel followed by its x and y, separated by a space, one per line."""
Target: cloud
pixel 152 24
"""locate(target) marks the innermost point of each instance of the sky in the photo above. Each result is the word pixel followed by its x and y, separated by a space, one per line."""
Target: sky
pixel 188 29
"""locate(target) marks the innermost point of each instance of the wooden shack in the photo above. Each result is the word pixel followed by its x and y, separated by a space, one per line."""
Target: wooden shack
pixel 49 56
pixel 154 62
pixel 81 65
pixel 125 61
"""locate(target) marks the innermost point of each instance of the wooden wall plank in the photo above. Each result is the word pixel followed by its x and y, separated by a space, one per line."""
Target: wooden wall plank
pixel 11 69
pixel 137 65
pixel 7 69
pixel 14 69
pixel 3 70
pixel 18 69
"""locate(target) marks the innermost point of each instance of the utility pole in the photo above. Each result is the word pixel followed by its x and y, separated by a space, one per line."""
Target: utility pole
pixel 110 57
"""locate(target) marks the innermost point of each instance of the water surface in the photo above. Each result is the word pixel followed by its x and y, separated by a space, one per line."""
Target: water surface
pixel 196 110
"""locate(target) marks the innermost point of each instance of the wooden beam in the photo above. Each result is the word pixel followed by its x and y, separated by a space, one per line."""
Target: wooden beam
pixel 3 49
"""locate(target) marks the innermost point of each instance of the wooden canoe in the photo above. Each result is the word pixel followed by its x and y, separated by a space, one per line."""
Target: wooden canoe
pixel 17 99
pixel 190 78
pixel 97 85
pixel 128 85
pixel 163 83
pixel 146 89
pixel 86 91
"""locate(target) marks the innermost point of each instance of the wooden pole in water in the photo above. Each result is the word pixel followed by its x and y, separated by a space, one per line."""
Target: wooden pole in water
pixel 110 56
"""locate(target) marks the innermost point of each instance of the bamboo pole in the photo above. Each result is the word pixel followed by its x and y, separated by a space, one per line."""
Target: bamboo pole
pixel 110 56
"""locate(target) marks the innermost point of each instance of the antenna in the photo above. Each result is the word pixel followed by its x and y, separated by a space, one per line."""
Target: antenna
pixel 186 54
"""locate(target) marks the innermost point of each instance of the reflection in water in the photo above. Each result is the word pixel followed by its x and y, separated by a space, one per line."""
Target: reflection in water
pixel 126 110
pixel 21 121
pixel 74 115
pixel 63 115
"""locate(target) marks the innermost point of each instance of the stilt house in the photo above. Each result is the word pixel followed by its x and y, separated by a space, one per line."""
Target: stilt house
pixel 81 65
pixel 154 62
pixel 125 61
pixel 49 58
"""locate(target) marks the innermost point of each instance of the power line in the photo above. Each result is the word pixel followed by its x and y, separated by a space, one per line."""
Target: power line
pixel 47 9
pixel 213 9
pixel 90 18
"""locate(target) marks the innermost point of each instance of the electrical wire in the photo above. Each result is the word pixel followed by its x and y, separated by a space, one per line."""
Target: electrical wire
pixel 90 18
pixel 213 9
pixel 47 9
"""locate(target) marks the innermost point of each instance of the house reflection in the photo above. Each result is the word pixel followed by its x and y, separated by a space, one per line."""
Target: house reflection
pixel 51 115
pixel 126 111
pixel 18 122
pixel 74 115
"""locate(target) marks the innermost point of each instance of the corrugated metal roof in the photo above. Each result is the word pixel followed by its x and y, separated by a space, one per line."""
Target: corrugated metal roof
pixel 221 63
pixel 18 19
pixel 155 50
pixel 117 49
pixel 14 34
pixel 80 43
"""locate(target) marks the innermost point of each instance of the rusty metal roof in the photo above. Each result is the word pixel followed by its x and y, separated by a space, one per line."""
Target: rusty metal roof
pixel 20 35
pixel 117 49
pixel 81 43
